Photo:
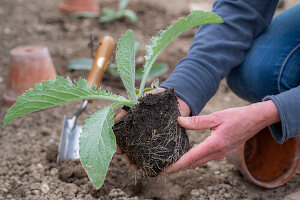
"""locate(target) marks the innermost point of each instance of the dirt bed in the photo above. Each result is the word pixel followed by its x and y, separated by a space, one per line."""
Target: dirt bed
pixel 27 145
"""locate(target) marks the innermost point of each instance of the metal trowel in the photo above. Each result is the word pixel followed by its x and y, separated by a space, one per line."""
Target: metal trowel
pixel 69 140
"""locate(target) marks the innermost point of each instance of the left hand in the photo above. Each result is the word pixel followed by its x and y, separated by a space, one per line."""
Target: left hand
pixel 229 129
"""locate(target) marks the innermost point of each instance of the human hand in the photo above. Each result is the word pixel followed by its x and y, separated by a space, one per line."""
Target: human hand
pixel 228 129
pixel 184 111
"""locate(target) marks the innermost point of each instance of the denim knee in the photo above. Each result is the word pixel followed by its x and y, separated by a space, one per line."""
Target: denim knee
pixel 252 83
pixel 272 65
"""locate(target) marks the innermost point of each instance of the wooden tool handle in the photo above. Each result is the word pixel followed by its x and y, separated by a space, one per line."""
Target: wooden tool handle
pixel 101 60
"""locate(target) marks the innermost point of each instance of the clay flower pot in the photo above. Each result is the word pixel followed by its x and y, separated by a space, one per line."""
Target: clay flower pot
pixel 265 162
pixel 28 65
pixel 75 6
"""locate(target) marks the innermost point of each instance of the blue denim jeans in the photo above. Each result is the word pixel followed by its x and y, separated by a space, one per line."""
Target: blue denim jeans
pixel 272 65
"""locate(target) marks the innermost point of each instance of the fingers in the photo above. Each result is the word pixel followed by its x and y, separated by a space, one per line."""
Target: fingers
pixel 199 122
pixel 120 115
pixel 209 150
pixel 133 167
pixel 119 150
pixel 126 159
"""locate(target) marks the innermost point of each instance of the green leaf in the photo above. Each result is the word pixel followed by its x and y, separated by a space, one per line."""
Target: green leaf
pixel 52 93
pixel 107 15
pixel 85 14
pixel 80 64
pixel 157 70
pixel 125 57
pixel 145 90
pixel 130 15
pixel 97 144
pixel 123 4
pixel 137 46
pixel 113 70
pixel 107 18
pixel 107 11
pixel 164 37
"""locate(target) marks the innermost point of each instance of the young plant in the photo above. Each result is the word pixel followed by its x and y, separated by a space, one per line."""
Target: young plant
pixel 97 140
pixel 157 69
pixel 108 15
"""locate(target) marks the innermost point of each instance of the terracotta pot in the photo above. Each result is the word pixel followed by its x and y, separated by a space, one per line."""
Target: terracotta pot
pixel 28 65
pixel 75 6
pixel 265 162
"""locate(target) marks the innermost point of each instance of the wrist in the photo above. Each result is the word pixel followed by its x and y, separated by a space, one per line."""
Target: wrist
pixel 266 112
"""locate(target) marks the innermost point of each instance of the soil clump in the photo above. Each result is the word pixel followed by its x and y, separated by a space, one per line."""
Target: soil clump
pixel 150 134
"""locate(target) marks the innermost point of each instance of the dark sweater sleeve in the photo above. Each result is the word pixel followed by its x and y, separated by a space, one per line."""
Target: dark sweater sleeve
pixel 288 106
pixel 217 48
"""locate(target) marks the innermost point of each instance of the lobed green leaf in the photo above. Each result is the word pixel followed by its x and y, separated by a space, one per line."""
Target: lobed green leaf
pixel 52 93
pixel 97 144
pixel 164 37
pixel 125 57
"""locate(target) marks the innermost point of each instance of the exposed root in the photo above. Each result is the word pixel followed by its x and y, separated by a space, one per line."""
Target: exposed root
pixel 150 133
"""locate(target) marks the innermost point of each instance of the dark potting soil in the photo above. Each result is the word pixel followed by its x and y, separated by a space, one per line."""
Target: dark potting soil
pixel 150 134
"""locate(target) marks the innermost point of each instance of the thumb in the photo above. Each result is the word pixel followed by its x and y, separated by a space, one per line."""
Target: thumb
pixel 198 122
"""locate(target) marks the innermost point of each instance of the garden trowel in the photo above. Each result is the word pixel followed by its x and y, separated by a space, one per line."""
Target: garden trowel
pixel 69 140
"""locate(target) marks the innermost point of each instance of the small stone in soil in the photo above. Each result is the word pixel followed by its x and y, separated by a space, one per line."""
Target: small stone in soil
pixel 36 192
pixel 45 188
pixel 53 171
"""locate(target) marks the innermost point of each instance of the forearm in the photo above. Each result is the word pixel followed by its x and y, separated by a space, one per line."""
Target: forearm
pixel 217 48
pixel 288 106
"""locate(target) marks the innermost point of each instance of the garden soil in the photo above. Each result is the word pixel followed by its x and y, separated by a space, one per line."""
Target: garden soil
pixel 28 145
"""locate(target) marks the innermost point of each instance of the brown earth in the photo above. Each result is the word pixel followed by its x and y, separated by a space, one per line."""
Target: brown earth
pixel 27 170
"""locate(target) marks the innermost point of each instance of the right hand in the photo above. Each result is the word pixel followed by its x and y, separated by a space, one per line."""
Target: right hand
pixel 184 110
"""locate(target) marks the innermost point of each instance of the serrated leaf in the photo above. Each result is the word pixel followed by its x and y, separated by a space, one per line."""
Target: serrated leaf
pixel 157 70
pixel 125 57
pixel 123 4
pixel 164 37
pixel 131 16
pixel 80 64
pixel 97 144
pixel 52 93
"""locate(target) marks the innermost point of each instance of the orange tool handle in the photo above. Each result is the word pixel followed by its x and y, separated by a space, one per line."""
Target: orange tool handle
pixel 101 60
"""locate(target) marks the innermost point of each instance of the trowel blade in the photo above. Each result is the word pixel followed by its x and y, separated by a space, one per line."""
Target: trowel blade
pixel 69 141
